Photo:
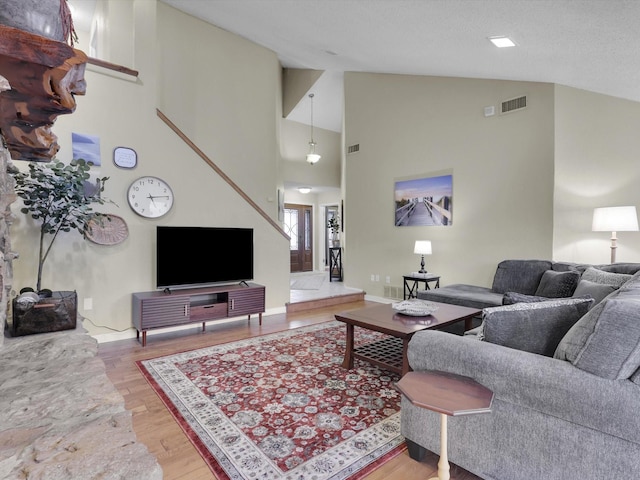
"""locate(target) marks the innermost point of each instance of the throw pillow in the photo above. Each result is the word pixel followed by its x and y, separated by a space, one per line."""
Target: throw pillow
pixel 606 278
pixel 606 341
pixel 558 284
pixel 597 291
pixel 532 327
pixel 510 298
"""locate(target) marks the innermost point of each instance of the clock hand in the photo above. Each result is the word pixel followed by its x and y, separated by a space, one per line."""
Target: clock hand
pixel 151 198
pixel 157 196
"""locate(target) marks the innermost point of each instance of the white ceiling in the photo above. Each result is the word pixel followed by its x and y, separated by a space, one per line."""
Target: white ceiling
pixel 588 44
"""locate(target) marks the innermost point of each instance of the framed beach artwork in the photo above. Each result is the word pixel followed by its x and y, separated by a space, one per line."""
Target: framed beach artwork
pixel 424 201
pixel 86 147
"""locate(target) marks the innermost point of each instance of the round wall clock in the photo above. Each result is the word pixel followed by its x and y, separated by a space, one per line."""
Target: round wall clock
pixel 150 197
pixel 125 157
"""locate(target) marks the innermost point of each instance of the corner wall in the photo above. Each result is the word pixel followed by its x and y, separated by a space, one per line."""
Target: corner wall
pixel 596 165
pixel 502 167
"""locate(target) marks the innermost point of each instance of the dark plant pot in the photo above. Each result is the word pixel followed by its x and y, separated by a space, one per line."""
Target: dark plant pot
pixel 48 314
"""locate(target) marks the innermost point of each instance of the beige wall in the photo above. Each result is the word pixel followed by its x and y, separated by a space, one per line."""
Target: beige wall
pixel 596 165
pixel 226 97
pixel 502 169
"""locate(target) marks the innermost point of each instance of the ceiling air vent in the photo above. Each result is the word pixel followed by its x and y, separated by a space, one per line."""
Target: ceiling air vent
pixel 351 149
pixel 514 104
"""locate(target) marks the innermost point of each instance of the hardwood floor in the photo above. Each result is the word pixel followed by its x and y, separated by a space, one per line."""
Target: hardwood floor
pixel 155 426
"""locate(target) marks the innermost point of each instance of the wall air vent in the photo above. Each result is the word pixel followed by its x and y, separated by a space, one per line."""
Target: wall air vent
pixel 393 292
pixel 351 149
pixel 514 104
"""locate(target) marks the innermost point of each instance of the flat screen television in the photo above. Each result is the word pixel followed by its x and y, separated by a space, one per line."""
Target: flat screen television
pixel 198 256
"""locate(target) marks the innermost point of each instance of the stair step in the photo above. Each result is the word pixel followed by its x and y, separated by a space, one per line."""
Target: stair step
pixel 324 302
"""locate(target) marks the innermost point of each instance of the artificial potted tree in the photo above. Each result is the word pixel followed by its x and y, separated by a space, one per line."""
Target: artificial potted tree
pixel 334 225
pixel 60 198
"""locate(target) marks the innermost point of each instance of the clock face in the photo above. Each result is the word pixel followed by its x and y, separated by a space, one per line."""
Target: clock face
pixel 150 197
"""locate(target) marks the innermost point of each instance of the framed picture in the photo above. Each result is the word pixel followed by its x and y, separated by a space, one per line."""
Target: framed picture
pixel 86 147
pixel 424 201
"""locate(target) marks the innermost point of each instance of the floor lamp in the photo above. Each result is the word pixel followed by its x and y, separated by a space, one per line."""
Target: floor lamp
pixel 615 219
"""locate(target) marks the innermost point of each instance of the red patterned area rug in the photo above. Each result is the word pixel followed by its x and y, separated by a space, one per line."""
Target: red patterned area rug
pixel 280 406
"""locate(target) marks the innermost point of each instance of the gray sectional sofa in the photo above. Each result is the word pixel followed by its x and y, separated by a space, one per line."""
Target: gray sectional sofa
pixel 526 277
pixel 565 373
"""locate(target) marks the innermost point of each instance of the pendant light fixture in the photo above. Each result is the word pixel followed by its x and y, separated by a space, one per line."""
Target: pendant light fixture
pixel 312 156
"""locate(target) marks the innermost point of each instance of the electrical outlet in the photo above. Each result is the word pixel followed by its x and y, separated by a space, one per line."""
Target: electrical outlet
pixel 387 279
pixel 373 277
pixel 377 277
pixel 88 303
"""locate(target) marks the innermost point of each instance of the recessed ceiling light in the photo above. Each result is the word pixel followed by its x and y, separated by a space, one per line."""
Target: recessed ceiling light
pixel 502 42
pixel 304 189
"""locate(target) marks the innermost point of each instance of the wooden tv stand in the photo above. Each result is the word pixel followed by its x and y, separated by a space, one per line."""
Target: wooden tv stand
pixel 159 309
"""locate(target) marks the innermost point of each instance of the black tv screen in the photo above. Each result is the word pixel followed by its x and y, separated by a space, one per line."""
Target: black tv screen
pixel 195 256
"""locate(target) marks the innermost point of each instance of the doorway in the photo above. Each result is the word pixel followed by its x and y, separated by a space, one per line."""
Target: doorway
pixel 329 213
pixel 298 224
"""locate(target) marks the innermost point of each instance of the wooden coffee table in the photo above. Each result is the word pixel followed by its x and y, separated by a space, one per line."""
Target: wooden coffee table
pixel 391 353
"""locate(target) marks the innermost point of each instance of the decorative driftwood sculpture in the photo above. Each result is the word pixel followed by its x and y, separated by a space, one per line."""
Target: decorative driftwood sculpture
pixel 44 76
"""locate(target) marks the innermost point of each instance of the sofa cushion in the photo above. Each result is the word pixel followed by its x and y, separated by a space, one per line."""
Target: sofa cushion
pixel 629 268
pixel 631 288
pixel 597 291
pixel 534 327
pixel 606 278
pixel 464 295
pixel 522 276
pixel 558 284
pixel 606 341
pixel 510 298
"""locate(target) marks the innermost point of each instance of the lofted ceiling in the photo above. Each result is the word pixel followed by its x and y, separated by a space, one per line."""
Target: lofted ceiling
pixel 587 44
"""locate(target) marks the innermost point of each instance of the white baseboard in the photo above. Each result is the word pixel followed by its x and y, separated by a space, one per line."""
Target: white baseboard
pixel 373 298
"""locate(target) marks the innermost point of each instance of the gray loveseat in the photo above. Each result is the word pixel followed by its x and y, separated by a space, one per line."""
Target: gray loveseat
pixel 574 415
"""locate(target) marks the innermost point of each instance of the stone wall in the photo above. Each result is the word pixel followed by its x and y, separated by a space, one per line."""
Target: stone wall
pixel 62 418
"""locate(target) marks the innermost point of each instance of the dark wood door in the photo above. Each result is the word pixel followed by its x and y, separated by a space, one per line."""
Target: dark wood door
pixel 298 223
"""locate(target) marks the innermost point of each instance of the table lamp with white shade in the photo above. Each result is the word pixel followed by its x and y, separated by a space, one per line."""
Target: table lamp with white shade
pixel 615 219
pixel 422 247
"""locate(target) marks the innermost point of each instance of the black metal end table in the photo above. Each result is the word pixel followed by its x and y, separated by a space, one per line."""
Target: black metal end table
pixel 412 282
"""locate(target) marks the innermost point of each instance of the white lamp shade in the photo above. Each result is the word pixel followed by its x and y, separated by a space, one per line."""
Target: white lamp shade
pixel 313 158
pixel 615 219
pixel 422 247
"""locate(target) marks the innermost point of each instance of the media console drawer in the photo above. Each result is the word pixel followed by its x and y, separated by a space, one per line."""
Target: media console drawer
pixel 160 309
pixel 203 313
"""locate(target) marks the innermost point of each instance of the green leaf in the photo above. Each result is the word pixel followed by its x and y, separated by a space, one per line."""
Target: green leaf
pixel 54 195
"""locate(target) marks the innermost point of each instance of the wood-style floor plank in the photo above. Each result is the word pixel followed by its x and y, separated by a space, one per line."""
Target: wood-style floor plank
pixel 155 426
